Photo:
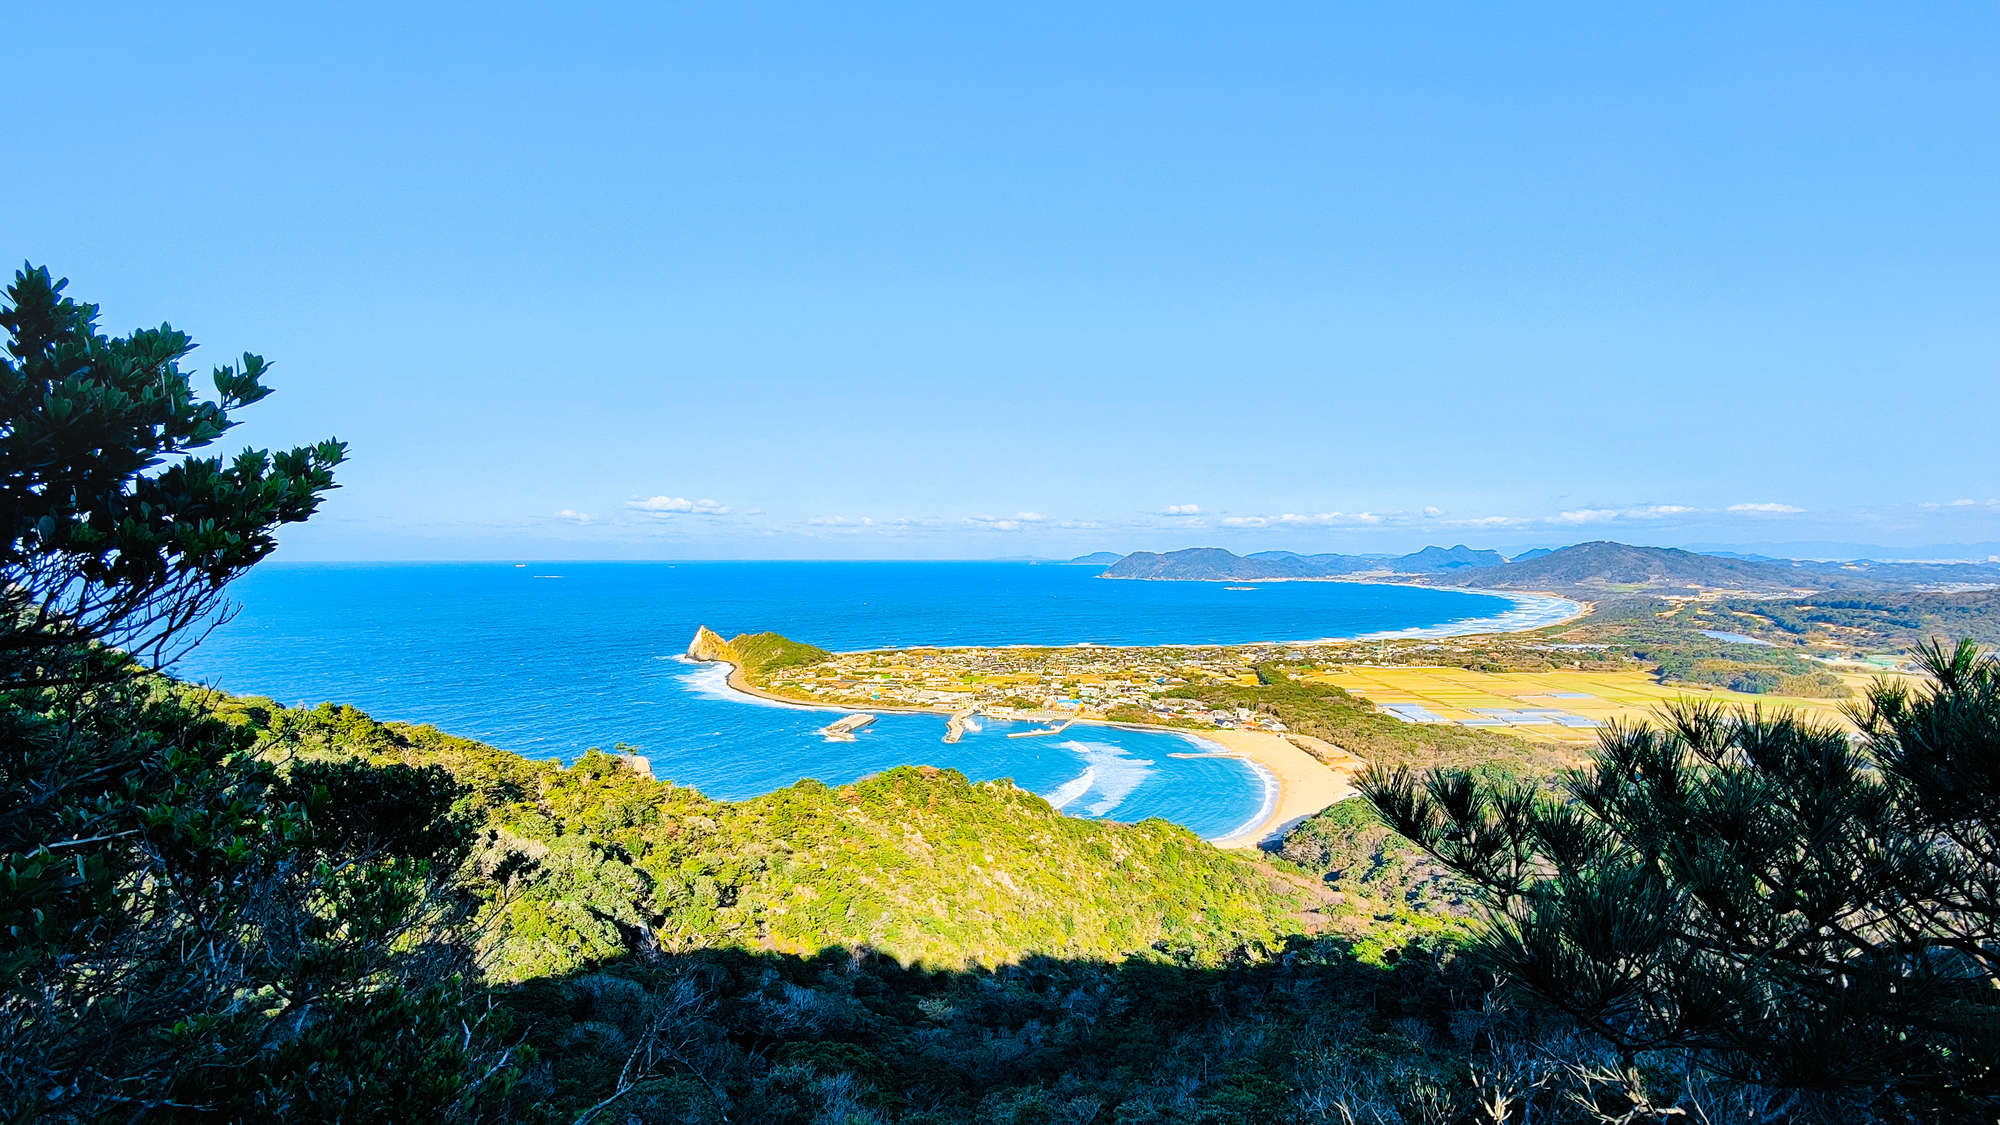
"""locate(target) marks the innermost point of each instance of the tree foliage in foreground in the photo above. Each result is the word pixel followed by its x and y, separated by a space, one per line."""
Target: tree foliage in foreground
pixel 114 527
pixel 1792 908
pixel 192 930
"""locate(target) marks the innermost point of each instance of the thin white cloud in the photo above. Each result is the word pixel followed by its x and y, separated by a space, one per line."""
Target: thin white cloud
pixel 841 521
pixel 1573 517
pixel 1766 508
pixel 1433 512
pixel 1015 522
pixel 1328 519
pixel 574 516
pixel 664 506
pixel 1183 509
pixel 1585 515
pixel 1607 515
pixel 1296 519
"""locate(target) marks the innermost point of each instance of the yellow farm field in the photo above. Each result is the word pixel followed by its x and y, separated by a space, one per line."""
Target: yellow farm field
pixel 1457 695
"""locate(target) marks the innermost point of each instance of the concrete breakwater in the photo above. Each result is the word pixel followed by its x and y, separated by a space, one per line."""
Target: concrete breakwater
pixel 955 727
pixel 843 728
pixel 1044 731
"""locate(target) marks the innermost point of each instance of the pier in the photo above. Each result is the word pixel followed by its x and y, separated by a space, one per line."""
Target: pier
pixel 955 728
pixel 843 728
pixel 1045 730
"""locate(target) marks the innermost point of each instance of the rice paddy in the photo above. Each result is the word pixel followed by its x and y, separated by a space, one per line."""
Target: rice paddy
pixel 1558 706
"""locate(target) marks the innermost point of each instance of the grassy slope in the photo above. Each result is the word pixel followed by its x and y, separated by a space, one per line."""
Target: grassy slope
pixel 594 861
pixel 766 652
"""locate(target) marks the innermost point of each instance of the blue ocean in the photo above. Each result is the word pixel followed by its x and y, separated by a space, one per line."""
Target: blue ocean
pixel 550 659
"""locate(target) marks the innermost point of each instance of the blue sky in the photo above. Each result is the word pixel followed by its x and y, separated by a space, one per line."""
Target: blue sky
pixel 868 280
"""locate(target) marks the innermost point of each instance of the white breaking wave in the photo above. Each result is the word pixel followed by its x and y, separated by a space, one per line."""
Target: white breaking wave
pixel 1265 807
pixel 1531 611
pixel 1115 776
pixel 711 681
pixel 1062 795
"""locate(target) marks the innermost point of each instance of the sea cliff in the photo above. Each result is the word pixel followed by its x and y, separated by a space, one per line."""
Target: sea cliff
pixel 708 647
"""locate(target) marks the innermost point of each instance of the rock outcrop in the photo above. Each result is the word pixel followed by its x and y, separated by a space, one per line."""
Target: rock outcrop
pixel 708 647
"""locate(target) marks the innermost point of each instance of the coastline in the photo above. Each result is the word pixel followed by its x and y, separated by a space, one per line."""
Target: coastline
pixel 1297 784
pixel 1306 784
pixel 1533 609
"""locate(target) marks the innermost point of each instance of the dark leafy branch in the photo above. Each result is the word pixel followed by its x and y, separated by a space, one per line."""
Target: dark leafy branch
pixel 1797 907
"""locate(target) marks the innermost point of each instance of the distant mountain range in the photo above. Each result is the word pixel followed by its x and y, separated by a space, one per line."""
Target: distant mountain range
pixel 1214 563
pixel 1604 566
pixel 1596 570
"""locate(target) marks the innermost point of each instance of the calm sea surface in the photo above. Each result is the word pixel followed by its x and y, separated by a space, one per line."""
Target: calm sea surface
pixel 549 659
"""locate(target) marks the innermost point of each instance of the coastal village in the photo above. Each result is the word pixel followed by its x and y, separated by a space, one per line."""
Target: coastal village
pixel 1134 685
pixel 1537 686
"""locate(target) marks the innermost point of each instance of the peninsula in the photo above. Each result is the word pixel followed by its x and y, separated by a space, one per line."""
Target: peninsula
pixel 1307 774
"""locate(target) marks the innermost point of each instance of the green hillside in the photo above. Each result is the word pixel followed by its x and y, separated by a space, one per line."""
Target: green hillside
pixel 768 652
pixel 595 861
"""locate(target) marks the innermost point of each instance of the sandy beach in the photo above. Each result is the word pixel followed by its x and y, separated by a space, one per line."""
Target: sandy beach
pixel 1305 783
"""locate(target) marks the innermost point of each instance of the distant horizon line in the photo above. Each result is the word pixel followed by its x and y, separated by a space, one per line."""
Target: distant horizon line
pixel 1975 553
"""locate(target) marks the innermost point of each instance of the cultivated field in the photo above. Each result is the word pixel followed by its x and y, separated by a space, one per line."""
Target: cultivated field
pixel 1559 706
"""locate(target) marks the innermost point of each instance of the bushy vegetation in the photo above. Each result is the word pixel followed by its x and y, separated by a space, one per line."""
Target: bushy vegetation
pixel 1667 636
pixel 1890 621
pixel 844 1036
pixel 1781 675
pixel 1349 846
